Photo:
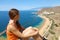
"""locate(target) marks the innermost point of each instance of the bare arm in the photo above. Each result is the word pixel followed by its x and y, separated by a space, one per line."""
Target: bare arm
pixel 18 33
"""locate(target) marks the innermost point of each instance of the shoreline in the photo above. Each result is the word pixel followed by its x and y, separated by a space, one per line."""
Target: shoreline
pixel 44 26
pixel 40 24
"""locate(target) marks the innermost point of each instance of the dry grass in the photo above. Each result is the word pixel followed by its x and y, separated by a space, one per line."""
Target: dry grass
pixel 54 33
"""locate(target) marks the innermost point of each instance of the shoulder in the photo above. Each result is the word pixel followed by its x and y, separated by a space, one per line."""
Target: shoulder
pixel 11 27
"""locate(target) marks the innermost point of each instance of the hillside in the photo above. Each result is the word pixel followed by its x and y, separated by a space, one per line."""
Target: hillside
pixel 54 31
pixel 51 9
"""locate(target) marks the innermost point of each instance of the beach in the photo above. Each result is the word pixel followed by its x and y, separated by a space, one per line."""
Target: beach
pixel 45 25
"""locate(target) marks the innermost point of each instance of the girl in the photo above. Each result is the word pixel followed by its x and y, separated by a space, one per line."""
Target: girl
pixel 14 28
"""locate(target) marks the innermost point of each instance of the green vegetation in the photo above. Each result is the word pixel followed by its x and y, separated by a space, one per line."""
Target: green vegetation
pixel 52 25
pixel 56 25
pixel 51 32
pixel 54 37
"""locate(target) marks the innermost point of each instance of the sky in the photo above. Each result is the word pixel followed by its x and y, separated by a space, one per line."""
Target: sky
pixel 27 4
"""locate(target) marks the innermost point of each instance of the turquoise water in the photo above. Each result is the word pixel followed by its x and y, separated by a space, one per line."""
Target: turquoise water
pixel 27 18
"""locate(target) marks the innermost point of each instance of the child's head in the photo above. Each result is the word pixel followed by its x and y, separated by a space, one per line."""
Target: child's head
pixel 14 14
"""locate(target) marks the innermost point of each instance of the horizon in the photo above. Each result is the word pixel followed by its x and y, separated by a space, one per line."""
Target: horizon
pixel 6 5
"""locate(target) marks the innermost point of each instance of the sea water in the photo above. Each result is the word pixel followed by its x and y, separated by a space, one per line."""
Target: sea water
pixel 26 19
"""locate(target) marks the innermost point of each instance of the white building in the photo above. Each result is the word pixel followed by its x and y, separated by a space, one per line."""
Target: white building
pixel 45 12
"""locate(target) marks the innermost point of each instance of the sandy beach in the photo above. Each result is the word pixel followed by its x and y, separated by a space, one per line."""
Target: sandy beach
pixel 44 26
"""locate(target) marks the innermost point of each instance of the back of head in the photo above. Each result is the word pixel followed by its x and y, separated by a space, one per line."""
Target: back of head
pixel 13 13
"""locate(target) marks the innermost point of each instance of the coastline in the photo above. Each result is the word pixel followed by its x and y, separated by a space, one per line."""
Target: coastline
pixel 40 24
pixel 43 27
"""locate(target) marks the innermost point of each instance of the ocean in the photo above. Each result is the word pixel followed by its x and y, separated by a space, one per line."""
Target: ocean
pixel 27 18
